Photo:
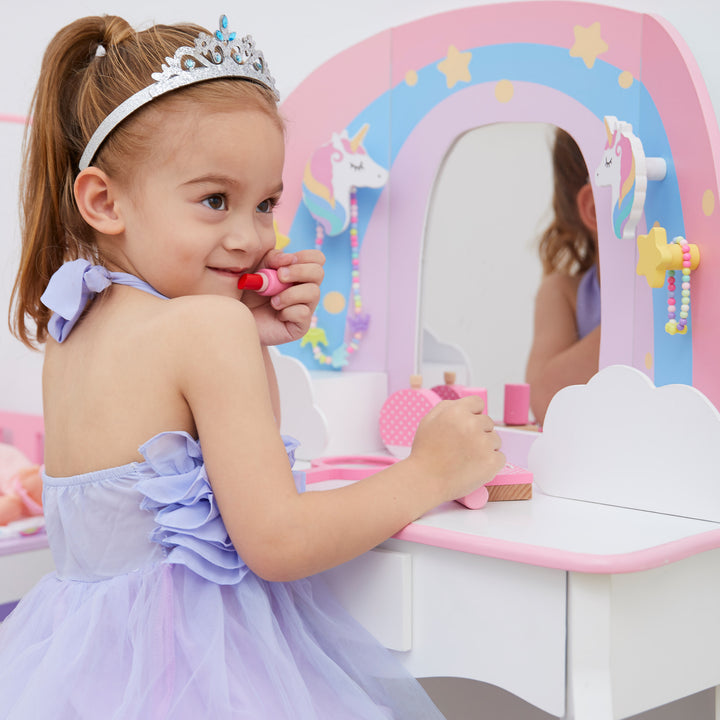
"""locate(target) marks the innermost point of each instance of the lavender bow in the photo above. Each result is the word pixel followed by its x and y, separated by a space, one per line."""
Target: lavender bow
pixel 70 289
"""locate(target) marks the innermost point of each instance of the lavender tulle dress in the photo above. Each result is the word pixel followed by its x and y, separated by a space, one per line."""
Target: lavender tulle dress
pixel 151 614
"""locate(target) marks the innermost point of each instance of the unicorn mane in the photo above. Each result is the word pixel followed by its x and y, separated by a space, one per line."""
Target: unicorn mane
pixel 623 208
pixel 627 167
pixel 317 190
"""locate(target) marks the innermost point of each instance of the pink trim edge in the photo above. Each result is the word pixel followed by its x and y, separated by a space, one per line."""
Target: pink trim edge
pixel 637 561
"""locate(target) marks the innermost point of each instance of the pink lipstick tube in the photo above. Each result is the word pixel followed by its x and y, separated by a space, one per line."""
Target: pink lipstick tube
pixel 263 282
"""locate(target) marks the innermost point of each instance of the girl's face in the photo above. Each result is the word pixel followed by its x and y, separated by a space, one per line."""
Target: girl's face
pixel 199 212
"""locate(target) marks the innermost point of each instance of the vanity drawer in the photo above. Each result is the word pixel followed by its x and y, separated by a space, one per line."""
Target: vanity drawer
pixel 376 589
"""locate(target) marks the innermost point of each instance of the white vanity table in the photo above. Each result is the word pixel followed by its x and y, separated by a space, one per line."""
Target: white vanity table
pixel 615 607
pixel 584 608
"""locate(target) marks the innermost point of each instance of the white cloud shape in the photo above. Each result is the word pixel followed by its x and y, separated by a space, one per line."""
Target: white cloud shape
pixel 300 417
pixel 621 441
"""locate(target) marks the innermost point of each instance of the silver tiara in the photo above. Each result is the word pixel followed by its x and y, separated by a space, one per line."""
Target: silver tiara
pixel 214 56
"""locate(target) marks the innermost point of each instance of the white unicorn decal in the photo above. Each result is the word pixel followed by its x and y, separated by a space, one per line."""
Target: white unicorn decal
pixel 331 178
pixel 626 170
pixel 331 174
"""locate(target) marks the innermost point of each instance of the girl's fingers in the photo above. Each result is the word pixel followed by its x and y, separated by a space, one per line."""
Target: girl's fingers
pixel 307 294
pixel 307 272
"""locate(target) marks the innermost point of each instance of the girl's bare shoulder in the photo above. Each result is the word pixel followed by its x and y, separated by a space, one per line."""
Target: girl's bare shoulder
pixel 184 323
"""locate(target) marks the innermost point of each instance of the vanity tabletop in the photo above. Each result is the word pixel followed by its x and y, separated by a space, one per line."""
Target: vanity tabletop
pixel 566 534
pixel 559 533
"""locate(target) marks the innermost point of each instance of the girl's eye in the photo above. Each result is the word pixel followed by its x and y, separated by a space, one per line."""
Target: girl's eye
pixel 267 206
pixel 215 202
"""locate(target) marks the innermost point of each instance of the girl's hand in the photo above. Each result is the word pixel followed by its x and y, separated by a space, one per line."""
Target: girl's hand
pixel 286 316
pixel 457 447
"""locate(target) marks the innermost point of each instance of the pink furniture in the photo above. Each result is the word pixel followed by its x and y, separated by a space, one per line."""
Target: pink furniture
pixel 24 557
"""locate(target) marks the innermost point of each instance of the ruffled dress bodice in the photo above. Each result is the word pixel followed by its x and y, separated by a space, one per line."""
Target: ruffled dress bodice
pixel 124 519
pixel 151 613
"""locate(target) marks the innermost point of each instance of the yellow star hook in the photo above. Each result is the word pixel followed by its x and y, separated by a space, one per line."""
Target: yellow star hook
pixel 656 256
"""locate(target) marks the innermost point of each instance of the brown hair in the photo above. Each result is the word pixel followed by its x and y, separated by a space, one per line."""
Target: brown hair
pixel 567 246
pixel 76 91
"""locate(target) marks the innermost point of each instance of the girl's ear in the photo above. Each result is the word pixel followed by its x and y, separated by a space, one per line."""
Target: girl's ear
pixel 96 202
pixel 586 207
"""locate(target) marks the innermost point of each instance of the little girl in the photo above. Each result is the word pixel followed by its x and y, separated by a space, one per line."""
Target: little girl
pixel 566 340
pixel 182 546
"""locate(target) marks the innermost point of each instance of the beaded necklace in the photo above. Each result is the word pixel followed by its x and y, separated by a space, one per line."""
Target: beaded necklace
pixel 357 320
pixel 673 325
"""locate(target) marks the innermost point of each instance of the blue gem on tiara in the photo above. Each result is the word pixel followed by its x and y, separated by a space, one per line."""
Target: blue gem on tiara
pixel 219 55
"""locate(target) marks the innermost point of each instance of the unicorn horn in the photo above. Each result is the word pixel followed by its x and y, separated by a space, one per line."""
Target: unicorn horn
pixel 607 130
pixel 359 137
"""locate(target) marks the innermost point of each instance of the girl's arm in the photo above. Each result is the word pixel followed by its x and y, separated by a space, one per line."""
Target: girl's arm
pixel 272 384
pixel 557 357
pixel 280 533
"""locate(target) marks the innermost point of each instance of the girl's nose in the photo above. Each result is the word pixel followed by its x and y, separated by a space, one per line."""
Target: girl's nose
pixel 242 236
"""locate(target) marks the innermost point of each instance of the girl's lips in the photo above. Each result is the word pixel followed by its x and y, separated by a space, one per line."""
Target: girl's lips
pixel 229 272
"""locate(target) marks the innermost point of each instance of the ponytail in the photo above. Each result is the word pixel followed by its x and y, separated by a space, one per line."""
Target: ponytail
pixel 79 86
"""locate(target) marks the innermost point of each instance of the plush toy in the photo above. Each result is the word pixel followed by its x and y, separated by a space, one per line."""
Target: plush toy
pixel 20 486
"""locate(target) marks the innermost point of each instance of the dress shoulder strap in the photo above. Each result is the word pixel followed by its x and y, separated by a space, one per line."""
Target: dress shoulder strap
pixel 73 285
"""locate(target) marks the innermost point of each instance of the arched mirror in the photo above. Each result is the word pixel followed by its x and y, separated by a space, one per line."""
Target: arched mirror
pixel 480 265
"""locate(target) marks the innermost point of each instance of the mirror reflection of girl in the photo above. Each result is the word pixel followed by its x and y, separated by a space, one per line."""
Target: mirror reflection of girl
pixel 566 338
pixel 183 545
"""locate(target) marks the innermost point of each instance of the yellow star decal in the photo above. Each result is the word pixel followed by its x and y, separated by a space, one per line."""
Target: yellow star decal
pixel 588 44
pixel 281 240
pixel 455 66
